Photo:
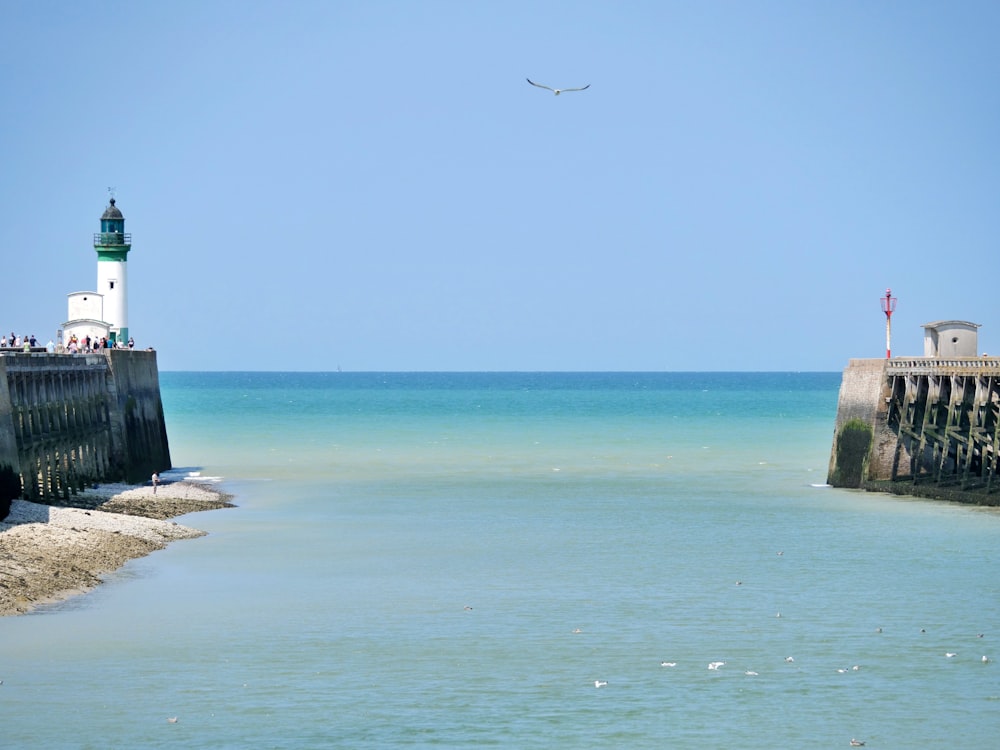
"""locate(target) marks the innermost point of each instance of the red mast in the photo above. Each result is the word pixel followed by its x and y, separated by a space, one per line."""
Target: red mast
pixel 888 307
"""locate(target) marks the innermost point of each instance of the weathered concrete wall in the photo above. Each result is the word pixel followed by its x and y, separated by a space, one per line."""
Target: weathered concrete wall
pixel 861 398
pixel 860 388
pixel 67 421
pixel 138 413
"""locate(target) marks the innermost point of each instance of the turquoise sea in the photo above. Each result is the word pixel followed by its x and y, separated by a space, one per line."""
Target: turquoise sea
pixel 455 560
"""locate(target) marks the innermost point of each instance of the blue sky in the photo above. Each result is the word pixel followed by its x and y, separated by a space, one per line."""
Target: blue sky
pixel 375 186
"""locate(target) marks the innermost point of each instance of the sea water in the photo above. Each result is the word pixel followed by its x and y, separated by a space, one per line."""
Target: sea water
pixel 458 560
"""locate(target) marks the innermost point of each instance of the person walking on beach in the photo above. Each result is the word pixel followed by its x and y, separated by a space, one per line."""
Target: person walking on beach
pixel 156 481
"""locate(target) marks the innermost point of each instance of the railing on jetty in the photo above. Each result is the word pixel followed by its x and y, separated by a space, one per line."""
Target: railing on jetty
pixel 938 366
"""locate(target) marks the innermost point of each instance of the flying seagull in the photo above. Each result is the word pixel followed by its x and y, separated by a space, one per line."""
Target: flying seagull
pixel 555 91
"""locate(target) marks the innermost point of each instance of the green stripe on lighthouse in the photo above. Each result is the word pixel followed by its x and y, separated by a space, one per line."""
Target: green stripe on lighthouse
pixel 116 253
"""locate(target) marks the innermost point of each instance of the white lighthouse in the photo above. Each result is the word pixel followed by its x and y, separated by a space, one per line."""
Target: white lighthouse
pixel 112 245
pixel 104 313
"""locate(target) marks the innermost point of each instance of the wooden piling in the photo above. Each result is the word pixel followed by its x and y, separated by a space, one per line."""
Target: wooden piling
pixel 934 425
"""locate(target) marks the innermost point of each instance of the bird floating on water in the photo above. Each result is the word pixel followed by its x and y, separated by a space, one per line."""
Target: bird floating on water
pixel 600 683
pixel 716 664
pixel 555 91
pixel 857 743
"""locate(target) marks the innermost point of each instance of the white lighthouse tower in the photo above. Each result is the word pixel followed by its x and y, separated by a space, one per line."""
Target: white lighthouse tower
pixel 104 312
pixel 112 245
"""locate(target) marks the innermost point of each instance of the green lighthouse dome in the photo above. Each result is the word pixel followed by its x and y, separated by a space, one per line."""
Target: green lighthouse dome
pixel 112 219
pixel 112 213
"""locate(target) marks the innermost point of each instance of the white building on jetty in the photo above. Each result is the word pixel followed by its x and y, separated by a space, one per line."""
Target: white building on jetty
pixel 951 338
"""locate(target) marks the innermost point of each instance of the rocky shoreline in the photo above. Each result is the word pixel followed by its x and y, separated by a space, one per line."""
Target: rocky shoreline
pixel 52 552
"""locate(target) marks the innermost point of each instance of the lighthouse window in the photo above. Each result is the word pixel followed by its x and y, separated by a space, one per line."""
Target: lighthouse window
pixel 111 284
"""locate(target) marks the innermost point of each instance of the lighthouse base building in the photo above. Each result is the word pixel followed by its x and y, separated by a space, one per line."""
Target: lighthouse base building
pixel 86 320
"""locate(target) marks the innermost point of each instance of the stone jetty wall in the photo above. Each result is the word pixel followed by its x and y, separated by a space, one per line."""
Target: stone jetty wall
pixel 69 421
pixel 920 425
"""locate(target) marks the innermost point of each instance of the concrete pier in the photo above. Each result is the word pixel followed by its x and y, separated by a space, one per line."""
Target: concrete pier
pixel 68 421
pixel 920 425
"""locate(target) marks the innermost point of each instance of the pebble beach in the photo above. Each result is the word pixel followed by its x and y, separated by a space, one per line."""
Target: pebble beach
pixel 49 553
